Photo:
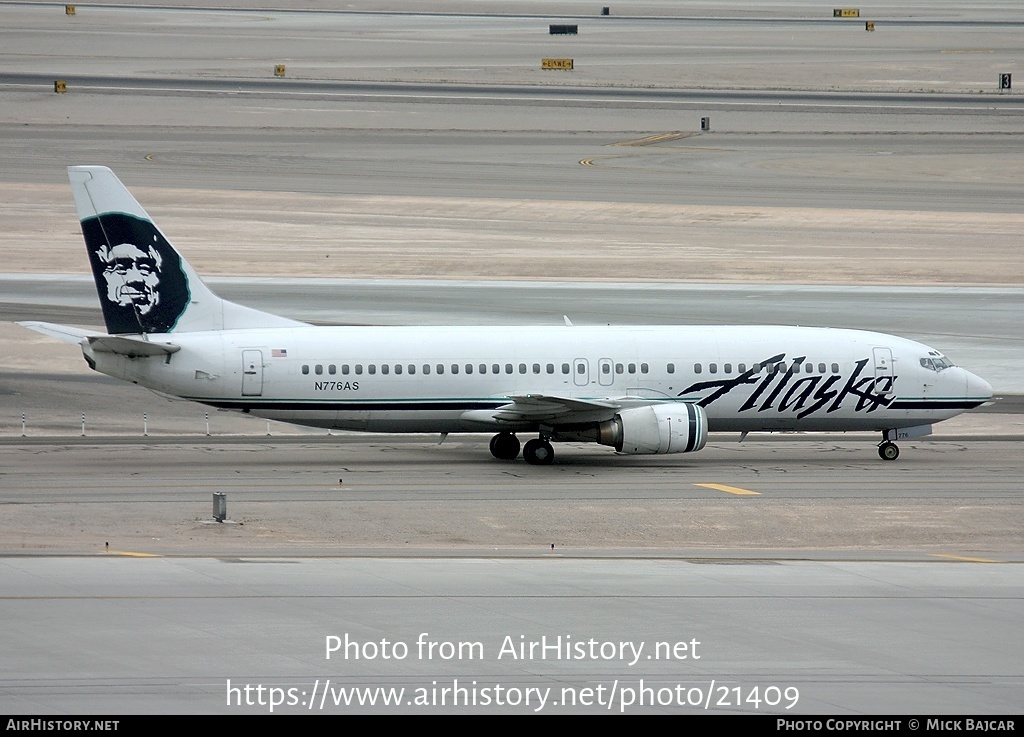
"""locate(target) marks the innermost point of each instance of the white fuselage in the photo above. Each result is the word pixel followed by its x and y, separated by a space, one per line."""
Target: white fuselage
pixel 452 379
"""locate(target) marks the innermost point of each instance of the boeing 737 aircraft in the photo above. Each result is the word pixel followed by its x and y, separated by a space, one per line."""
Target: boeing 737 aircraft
pixel 645 389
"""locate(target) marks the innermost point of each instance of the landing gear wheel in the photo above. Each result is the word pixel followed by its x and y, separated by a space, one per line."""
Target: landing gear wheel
pixel 538 452
pixel 888 451
pixel 505 446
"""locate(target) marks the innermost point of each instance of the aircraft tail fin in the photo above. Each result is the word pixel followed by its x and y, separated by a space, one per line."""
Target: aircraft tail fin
pixel 144 284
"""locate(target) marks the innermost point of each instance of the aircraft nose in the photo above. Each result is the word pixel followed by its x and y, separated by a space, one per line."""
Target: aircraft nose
pixel 977 387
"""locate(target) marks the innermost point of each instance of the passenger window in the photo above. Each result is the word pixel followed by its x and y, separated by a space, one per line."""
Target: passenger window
pixel 496 368
pixel 671 368
pixel 809 368
pixel 398 368
pixel 469 368
pixel 483 368
pixel 455 368
pixel 440 368
pixel 696 368
pixel 536 368
pixel 835 368
pixel 644 368
pixel 712 368
pixel 605 369
pixel 305 369
pixel 742 368
pixel 522 368
pixel 344 369
pixel 426 368
pixel 332 369
pixel 631 368
pixel 619 368
pixel 728 368
pixel 581 368
pixel 508 368
pixel 359 369
pixel 565 368
pixel 821 368
pixel 551 368
pixel 371 369
pixel 385 369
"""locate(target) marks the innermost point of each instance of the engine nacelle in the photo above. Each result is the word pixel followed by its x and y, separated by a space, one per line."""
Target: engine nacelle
pixel 679 427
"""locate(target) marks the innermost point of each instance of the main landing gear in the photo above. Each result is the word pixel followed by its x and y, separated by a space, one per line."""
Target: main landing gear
pixel 505 446
pixel 888 450
pixel 536 452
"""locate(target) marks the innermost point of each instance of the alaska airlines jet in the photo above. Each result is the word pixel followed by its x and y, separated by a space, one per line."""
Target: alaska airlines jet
pixel 647 389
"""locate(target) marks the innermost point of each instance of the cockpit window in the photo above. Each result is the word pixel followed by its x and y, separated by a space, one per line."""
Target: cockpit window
pixel 936 364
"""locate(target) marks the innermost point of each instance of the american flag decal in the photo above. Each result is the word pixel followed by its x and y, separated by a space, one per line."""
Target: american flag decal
pixel 279 353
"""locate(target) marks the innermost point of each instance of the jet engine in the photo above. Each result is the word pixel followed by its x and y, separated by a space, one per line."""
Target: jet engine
pixel 679 427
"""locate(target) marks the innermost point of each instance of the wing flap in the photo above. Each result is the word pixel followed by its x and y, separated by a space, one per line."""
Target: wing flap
pixel 554 410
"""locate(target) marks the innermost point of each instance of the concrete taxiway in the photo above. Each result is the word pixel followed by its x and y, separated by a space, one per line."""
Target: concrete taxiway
pixel 251 635
pixel 797 496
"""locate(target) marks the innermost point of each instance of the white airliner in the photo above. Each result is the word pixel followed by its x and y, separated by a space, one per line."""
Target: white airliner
pixel 643 389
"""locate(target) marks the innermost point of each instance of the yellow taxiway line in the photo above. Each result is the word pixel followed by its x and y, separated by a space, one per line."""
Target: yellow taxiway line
pixel 730 489
pixel 964 558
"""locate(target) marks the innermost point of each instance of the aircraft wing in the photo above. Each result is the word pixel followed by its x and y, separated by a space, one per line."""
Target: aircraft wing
pixel 555 410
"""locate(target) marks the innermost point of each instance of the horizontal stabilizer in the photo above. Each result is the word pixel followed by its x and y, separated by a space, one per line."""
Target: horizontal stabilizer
pixel 125 345
pixel 60 332
pixel 131 347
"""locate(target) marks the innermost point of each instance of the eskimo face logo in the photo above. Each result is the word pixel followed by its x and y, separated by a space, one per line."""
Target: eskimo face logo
pixel 132 276
pixel 142 285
